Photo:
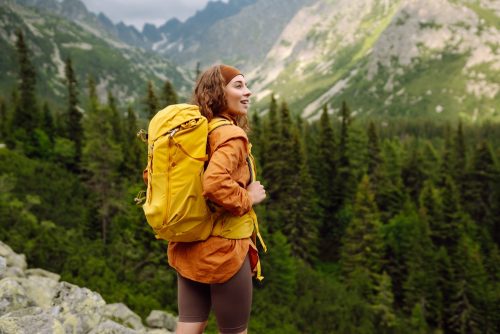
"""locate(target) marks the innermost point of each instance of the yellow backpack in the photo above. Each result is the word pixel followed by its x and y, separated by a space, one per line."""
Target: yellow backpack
pixel 177 151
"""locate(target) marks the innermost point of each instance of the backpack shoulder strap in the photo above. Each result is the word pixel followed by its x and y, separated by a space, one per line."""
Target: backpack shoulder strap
pixel 218 122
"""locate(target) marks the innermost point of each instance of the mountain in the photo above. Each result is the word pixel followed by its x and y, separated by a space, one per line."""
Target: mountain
pixel 386 58
pixel 71 31
pixel 240 32
pixel 392 58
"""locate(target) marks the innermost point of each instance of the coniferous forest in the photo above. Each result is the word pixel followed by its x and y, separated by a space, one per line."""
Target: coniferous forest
pixel 372 226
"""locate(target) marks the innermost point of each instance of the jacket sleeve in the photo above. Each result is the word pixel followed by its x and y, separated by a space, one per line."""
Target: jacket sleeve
pixel 218 185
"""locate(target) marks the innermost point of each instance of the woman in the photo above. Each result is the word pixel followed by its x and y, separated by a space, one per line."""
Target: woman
pixel 217 273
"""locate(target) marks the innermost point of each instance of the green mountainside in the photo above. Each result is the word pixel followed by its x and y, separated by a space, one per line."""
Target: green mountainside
pixel 386 58
pixel 114 65
pixel 391 58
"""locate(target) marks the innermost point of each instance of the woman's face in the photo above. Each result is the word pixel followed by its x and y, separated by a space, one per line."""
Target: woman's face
pixel 238 96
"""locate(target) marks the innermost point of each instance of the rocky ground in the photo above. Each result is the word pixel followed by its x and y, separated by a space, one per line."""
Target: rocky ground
pixel 36 301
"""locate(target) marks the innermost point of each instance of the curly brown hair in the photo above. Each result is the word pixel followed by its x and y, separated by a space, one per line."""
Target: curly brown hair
pixel 210 96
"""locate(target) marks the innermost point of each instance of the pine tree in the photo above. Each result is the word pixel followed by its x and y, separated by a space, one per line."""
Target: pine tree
pixel 272 170
pixel 390 194
pixel 256 138
pixel 74 127
pixel 101 160
pixel 26 116
pixel 135 151
pixel 362 244
pixel 4 121
pixel 300 207
pixel 151 101
pixel 374 154
pixel 345 184
pixel 460 154
pixel 280 271
pixel 479 194
pixel 431 210
pixel 325 176
pixel 48 122
pixel 169 96
pixel 116 119
pixel 382 304
pixel 412 172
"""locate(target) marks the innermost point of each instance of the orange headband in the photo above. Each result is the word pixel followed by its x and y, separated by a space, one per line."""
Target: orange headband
pixel 229 72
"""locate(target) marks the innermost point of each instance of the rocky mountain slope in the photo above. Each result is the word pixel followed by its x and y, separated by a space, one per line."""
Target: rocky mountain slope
pixel 51 38
pixel 36 301
pixel 389 58
pixel 436 59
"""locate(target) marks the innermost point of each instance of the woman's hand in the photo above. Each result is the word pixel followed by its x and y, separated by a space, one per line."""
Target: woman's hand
pixel 256 192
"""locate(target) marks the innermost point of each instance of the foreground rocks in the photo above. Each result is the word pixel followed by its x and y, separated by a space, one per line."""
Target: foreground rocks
pixel 36 301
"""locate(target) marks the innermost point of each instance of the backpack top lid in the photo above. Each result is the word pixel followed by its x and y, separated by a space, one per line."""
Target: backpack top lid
pixel 171 117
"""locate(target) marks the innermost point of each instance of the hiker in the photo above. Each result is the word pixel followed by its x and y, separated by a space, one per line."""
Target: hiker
pixel 217 272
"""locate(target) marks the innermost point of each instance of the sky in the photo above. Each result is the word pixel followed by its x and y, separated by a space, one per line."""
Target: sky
pixel 138 12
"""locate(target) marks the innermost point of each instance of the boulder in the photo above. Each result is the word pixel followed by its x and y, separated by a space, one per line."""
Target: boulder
pixel 29 321
pixel 78 309
pixel 111 327
pixel 13 296
pixel 41 290
pixel 121 314
pixel 13 259
pixel 42 273
pixel 161 319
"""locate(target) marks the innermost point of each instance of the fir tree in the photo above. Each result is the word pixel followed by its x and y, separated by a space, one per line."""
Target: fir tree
pixel 325 177
pixel 362 245
pixel 74 127
pixel 374 154
pixel 48 122
pixel 412 172
pixel 272 170
pixel 151 101
pixel 480 191
pixel 300 225
pixel 115 118
pixel 460 154
pixel 256 138
pixel 390 196
pixel 26 116
pixel 135 151
pixel 344 183
pixel 100 160
pixel 382 304
pixel 169 96
pixel 4 121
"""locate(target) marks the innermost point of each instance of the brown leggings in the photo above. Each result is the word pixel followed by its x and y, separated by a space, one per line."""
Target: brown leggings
pixel 231 300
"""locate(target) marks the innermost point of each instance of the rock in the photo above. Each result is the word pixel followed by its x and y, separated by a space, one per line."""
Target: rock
pixel 34 301
pixel 13 296
pixel 13 259
pixel 30 320
pixel 42 273
pixel 161 319
pixel 123 315
pixel 111 327
pixel 79 309
pixel 3 266
pixel 41 290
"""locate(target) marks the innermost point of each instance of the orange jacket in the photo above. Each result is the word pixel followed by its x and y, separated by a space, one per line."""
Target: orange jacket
pixel 217 259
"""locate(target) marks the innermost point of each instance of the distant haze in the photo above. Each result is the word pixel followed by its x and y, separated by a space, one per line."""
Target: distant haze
pixel 138 12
